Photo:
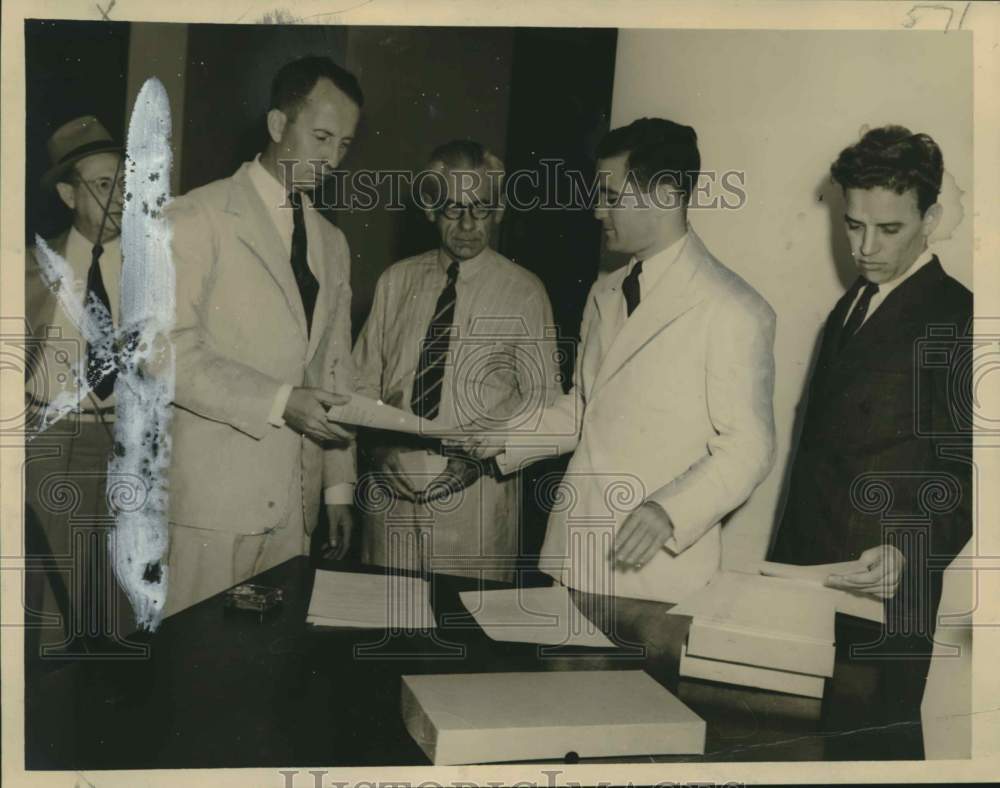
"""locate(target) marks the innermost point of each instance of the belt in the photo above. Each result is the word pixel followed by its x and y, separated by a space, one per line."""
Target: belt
pixel 95 417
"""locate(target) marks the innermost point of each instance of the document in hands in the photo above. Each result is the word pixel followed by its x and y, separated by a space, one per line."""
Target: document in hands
pixel 858 605
pixel 533 615
pixel 370 601
pixel 375 414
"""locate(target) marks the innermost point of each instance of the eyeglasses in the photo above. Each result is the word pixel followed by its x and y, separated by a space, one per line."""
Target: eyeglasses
pixel 102 186
pixel 454 210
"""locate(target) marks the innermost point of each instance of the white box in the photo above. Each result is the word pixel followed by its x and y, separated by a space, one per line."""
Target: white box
pixel 750 676
pixel 760 649
pixel 492 717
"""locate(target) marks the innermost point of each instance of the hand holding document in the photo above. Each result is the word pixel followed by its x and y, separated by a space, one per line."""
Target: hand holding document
pixel 362 411
pixel 846 601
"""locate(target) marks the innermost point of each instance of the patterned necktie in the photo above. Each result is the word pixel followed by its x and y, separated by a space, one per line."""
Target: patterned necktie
pixel 630 287
pixel 101 367
pixel 857 316
pixel 307 283
pixel 426 397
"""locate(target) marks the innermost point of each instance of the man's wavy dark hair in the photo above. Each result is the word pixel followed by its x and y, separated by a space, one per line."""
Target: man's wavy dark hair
pixel 656 148
pixel 893 158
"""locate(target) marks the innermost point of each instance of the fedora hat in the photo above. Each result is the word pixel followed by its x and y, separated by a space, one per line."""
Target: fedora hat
pixel 73 141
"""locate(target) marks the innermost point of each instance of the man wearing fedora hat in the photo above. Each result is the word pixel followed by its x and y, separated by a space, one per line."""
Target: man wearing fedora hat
pixel 67 463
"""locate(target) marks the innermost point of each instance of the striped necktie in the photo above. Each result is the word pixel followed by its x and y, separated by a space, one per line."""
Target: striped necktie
pixel 425 400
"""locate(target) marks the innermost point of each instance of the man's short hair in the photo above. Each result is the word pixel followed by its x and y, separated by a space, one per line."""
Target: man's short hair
pixel 656 148
pixel 295 80
pixel 893 158
pixel 462 155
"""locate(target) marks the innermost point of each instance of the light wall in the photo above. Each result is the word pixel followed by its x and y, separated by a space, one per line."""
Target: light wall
pixel 780 106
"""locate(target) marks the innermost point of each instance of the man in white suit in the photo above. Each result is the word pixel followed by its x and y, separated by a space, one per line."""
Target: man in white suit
pixel 670 417
pixel 262 340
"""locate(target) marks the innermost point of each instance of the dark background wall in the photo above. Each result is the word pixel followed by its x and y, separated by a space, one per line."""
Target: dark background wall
pixel 423 87
pixel 228 82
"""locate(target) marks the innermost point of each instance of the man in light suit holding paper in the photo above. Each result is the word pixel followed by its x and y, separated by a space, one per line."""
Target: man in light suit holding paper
pixel 262 340
pixel 670 417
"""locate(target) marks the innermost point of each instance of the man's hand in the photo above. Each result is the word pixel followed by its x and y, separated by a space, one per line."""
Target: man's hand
pixel 641 536
pixel 458 474
pixel 389 470
pixel 338 541
pixel 881 579
pixel 305 412
pixel 478 445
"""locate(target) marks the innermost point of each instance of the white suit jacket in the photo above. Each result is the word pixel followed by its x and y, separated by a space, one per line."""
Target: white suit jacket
pixel 675 408
pixel 240 334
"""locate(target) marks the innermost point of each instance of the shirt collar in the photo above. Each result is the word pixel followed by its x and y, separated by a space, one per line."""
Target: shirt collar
pixel 887 287
pixel 655 266
pixel 270 189
pixel 78 247
pixel 466 268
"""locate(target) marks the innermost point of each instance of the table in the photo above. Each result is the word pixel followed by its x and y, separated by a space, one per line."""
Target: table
pixel 227 689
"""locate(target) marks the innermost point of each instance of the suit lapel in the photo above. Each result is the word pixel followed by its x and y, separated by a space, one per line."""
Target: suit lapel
pixel 256 229
pixel 890 312
pixel 40 302
pixel 674 294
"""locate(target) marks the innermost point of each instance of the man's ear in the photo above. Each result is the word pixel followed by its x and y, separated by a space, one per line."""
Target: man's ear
pixel 277 122
pixel 67 194
pixel 931 219
pixel 431 215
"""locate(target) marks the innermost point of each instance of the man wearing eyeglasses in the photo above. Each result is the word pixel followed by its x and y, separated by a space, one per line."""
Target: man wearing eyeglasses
pixel 456 333
pixel 68 462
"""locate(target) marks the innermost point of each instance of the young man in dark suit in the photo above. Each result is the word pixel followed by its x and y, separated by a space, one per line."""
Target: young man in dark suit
pixel 883 470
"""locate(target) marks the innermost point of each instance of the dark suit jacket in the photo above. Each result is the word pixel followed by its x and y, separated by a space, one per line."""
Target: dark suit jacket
pixel 885 451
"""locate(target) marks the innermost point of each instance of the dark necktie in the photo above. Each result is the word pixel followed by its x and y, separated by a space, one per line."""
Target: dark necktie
pixel 307 283
pixel 101 367
pixel 426 397
pixel 857 316
pixel 630 287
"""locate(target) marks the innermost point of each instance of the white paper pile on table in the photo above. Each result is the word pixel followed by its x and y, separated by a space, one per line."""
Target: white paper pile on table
pixel 859 605
pixel 370 601
pixel 493 717
pixel 546 616
pixel 760 632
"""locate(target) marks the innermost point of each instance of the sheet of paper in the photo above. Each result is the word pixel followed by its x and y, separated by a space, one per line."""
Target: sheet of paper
pixel 366 412
pixel 814 573
pixel 766 605
pixel 851 604
pixel 370 601
pixel 533 615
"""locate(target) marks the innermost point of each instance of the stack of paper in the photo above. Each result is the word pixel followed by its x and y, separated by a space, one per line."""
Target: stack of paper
pixel 370 601
pixel 491 717
pixel 761 632
pixel 859 605
pixel 533 615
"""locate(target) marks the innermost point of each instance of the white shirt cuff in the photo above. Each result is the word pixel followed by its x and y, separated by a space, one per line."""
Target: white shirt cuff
pixel 339 494
pixel 277 414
